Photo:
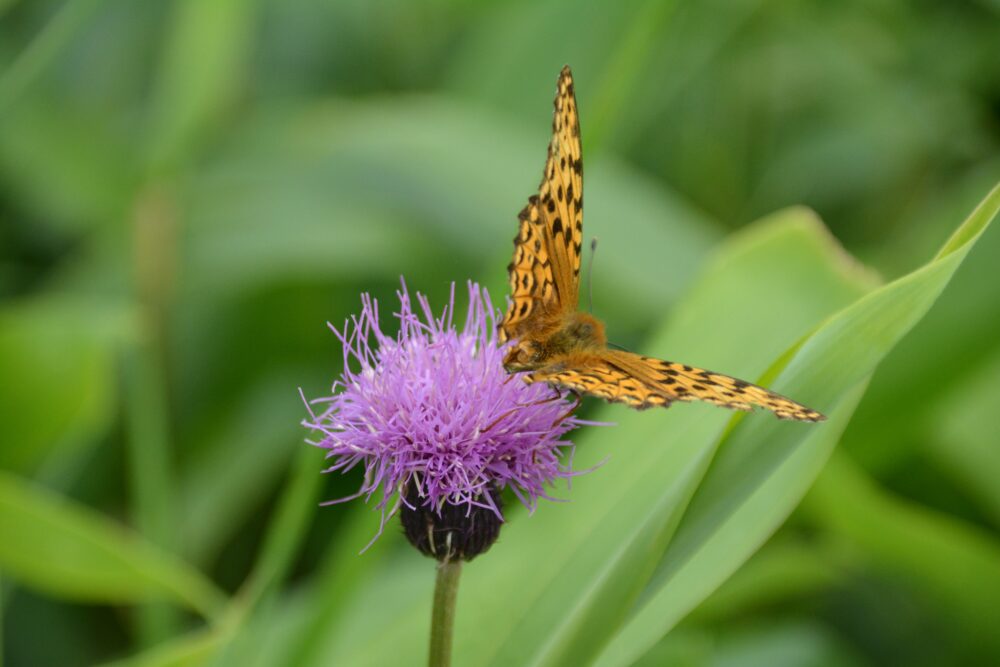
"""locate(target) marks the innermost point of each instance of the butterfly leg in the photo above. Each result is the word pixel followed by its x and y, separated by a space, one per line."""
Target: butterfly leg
pixel 569 413
pixel 521 405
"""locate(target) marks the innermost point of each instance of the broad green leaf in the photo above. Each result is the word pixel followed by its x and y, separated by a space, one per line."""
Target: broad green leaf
pixel 624 69
pixel 762 469
pixel 683 648
pixel 627 64
pixel 727 534
pixel 68 170
pixel 360 637
pixel 785 643
pixel 236 463
pixel 59 378
pixel 191 650
pixel 55 545
pixel 957 565
pixel 964 427
pixel 332 595
pixel 284 537
pixel 945 351
pixel 45 48
pixel 780 571
pixel 297 627
pixel 203 67
pixel 398 181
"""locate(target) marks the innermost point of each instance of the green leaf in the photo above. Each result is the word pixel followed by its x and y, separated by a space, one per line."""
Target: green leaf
pixel 944 352
pixel 627 64
pixel 398 181
pixel 191 650
pixel 722 529
pixel 333 601
pixel 55 545
pixel 68 170
pixel 753 483
pixel 759 643
pixel 225 481
pixel 286 531
pixel 957 565
pixel 45 48
pixel 59 378
pixel 203 67
pixel 780 571
pixel 964 425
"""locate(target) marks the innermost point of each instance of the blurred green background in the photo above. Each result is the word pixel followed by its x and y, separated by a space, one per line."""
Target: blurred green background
pixel 190 189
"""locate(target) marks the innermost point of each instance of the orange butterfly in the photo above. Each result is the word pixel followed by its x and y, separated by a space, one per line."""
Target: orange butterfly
pixel 568 349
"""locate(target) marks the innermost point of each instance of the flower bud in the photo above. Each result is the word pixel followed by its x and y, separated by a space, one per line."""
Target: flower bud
pixel 451 532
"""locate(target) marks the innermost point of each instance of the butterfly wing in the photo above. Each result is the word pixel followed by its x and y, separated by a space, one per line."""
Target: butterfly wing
pixel 545 273
pixel 596 375
pixel 644 382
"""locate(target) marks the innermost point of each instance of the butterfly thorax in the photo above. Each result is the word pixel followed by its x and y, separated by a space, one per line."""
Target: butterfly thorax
pixel 576 332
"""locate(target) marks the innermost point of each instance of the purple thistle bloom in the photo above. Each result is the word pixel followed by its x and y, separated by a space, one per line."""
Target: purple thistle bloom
pixel 433 412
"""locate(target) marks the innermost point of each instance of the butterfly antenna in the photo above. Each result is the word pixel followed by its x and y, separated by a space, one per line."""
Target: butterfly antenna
pixel 590 274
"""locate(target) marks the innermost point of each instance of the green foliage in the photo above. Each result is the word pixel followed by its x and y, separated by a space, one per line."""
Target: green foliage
pixel 189 190
pixel 54 545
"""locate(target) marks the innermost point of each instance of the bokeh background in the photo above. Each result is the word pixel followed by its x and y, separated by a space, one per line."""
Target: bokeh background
pixel 190 189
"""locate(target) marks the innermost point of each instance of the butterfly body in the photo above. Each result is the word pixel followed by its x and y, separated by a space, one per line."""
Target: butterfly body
pixel 556 344
pixel 571 334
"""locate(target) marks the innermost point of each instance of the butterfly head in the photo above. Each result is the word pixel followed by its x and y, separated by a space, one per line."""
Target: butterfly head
pixel 524 356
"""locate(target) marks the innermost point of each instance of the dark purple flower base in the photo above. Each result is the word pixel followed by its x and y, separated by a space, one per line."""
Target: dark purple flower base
pixel 458 532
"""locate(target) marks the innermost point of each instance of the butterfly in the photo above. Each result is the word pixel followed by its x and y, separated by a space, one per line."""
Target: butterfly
pixel 554 342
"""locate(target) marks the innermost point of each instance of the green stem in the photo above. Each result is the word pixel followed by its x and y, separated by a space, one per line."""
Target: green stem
pixel 147 401
pixel 443 615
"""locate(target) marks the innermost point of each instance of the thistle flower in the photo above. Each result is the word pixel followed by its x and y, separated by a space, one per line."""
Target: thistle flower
pixel 438 424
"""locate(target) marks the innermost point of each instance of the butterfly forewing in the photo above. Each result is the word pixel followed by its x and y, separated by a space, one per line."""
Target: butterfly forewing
pixel 544 274
pixel 560 194
pixel 681 382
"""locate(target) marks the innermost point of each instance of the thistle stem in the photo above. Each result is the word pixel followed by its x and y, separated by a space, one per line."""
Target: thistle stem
pixel 443 614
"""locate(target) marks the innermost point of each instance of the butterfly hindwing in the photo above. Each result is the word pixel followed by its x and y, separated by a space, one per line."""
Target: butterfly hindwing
pixel 594 374
pixel 532 283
